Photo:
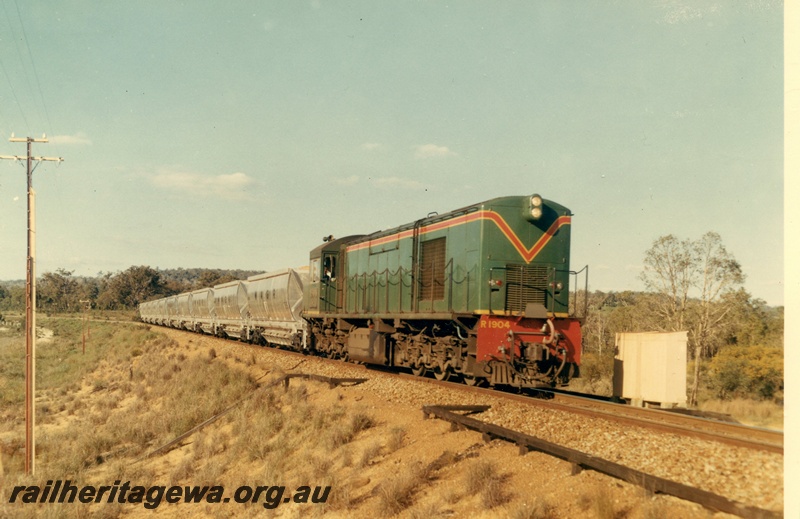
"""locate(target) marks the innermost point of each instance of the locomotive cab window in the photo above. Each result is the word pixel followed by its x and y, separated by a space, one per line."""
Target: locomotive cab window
pixel 314 267
pixel 329 268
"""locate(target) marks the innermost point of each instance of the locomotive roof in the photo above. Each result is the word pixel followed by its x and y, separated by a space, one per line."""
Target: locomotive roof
pixel 334 244
pixel 435 217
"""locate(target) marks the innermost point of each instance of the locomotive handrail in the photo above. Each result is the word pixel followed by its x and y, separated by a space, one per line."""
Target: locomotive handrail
pixel 365 288
pixel 574 302
pixel 450 290
pixel 551 282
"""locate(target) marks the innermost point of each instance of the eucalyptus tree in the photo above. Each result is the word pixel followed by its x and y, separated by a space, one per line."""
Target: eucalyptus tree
pixel 693 280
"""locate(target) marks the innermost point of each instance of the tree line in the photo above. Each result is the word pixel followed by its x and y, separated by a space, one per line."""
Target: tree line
pixel 61 291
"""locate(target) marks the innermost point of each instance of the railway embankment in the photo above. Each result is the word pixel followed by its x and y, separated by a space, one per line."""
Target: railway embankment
pixel 368 443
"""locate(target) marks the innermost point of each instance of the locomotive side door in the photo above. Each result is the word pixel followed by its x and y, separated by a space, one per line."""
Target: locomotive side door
pixel 330 275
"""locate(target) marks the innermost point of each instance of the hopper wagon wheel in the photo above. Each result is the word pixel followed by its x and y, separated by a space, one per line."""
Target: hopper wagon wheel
pixel 418 370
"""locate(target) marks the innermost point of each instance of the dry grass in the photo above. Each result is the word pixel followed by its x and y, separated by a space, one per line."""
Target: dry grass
pixel 538 509
pixel 477 474
pixel 397 494
pixel 182 471
pixel 396 438
pixel 599 502
pixel 752 412
pixel 654 510
pixel 372 451
pixel 342 433
pixel 118 413
pixel 482 478
pixel 425 511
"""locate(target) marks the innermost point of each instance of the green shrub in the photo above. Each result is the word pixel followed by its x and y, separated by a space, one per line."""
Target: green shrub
pixel 747 371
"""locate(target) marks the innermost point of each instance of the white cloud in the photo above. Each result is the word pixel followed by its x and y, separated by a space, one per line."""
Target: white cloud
pixel 348 181
pixel 426 151
pixel 371 146
pixel 680 114
pixel 78 138
pixel 400 183
pixel 681 11
pixel 232 186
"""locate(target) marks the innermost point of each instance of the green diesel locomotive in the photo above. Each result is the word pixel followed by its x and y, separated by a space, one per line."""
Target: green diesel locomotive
pixel 481 292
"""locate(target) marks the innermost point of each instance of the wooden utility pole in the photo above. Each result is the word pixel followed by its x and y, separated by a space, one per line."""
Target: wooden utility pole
pixel 87 305
pixel 30 304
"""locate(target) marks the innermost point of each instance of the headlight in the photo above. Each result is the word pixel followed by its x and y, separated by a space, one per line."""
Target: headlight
pixel 536 213
pixel 536 201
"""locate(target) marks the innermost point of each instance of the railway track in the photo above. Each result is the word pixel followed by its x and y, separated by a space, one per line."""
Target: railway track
pixel 581 460
pixel 655 419
pixel 667 421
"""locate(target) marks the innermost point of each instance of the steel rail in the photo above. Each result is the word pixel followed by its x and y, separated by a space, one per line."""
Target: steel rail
pixel 734 433
pixel 658 420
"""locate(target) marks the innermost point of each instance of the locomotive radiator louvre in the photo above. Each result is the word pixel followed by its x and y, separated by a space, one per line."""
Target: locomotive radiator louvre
pixel 525 284
pixel 432 270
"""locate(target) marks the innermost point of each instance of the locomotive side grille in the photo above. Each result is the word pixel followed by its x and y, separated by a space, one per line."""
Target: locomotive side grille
pixel 525 284
pixel 432 262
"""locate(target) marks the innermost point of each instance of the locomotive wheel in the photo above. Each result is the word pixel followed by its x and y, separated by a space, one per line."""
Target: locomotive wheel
pixel 442 375
pixel 474 381
pixel 418 371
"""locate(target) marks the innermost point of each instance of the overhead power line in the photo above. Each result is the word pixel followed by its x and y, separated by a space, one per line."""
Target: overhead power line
pixel 33 66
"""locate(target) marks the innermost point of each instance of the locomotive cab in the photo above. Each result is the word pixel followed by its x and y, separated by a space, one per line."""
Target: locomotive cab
pixel 323 293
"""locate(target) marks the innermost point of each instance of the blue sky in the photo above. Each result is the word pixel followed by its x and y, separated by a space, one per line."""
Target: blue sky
pixel 238 134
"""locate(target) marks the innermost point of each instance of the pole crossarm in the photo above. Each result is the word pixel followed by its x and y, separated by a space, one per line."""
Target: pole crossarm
pixel 37 159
